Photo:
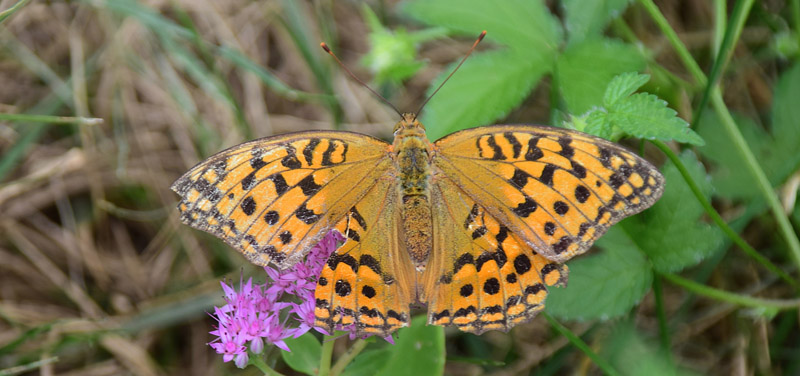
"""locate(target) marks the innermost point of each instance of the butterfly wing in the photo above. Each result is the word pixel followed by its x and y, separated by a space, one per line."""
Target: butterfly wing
pixel 557 189
pixel 481 275
pixel 275 197
pixel 369 281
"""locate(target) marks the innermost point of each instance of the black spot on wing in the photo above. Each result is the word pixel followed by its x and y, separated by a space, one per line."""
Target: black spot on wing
pixel 498 151
pixel 471 216
pixel 463 260
pixel 308 185
pixel 306 215
pixel 566 151
pixel 290 161
pixel 516 147
pixel 525 208
pixel 358 218
pixel 280 184
pixel 480 231
pixel 533 153
pixel 248 205
pixel 520 178
pixel 308 151
pixel 249 181
pixel 547 175
pixel 370 262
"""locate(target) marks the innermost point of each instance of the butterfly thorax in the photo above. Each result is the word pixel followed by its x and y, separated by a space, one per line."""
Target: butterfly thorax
pixel 412 161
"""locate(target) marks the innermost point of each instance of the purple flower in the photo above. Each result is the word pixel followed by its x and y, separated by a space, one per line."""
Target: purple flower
pixel 281 308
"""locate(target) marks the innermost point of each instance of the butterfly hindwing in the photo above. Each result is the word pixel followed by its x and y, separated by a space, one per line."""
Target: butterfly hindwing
pixel 274 198
pixel 369 281
pixel 557 189
pixel 481 275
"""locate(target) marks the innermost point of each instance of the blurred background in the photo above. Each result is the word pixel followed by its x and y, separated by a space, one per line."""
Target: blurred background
pixel 99 277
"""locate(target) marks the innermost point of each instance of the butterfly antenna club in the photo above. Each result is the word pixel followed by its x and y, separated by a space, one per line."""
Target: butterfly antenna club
pixel 480 38
pixel 328 50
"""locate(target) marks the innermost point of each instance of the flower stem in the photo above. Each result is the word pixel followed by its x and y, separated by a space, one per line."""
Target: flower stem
pixel 348 356
pixel 325 356
pixel 663 328
pixel 729 297
pixel 258 361
pixel 577 342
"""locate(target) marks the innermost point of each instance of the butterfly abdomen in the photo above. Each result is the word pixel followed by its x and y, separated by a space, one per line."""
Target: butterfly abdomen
pixel 412 160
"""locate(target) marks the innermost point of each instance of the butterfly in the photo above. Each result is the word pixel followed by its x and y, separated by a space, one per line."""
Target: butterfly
pixel 475 225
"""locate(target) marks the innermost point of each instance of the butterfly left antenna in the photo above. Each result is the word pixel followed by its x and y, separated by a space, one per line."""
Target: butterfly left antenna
pixel 328 50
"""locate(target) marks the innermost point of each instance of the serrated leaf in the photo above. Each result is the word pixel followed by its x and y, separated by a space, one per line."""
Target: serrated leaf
pixel 672 233
pixel 629 353
pixel 605 284
pixel 587 19
pixel 644 115
pixel 523 25
pixel 305 354
pixel 368 362
pixel 486 87
pixel 418 350
pixel 597 124
pixel 622 86
pixel 585 69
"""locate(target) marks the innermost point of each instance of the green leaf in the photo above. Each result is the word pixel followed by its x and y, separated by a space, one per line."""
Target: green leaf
pixel 369 362
pixel 585 69
pixel 597 124
pixel 629 353
pixel 419 350
pixel 605 284
pixel 392 56
pixel 785 127
pixel 305 354
pixel 487 87
pixel 587 19
pixel 623 86
pixel 644 115
pixel 672 232
pixel 523 25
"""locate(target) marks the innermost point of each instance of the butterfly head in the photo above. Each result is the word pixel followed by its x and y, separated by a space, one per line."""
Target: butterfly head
pixel 409 123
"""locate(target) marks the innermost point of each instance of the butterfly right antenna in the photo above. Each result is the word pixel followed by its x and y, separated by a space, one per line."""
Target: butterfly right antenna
pixel 480 38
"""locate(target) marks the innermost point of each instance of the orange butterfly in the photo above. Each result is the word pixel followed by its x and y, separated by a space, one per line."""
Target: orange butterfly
pixel 475 225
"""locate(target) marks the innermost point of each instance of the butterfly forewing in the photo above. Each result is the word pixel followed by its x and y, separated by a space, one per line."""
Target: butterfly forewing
pixel 274 198
pixel 557 189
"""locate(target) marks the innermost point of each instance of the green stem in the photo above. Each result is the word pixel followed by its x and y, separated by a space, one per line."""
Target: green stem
pixel 663 329
pixel 729 297
pixel 326 355
pixel 739 143
pixel 32 118
pixel 348 356
pixel 258 361
pixel 677 44
pixel 714 215
pixel 577 342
